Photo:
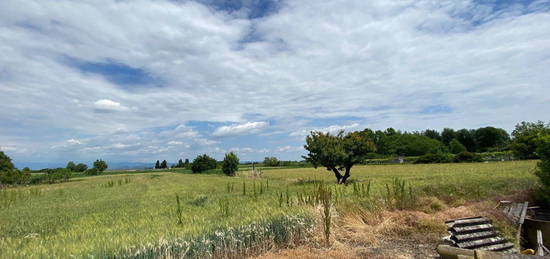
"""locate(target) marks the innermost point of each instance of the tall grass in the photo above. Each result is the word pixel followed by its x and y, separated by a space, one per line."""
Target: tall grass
pixel 134 216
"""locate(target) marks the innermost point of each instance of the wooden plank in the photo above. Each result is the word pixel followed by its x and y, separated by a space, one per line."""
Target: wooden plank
pixel 523 212
pixel 498 247
pixel 481 242
pixel 540 245
pixel 475 235
pixel 469 222
pixel 479 254
pixel 446 251
pixel 469 229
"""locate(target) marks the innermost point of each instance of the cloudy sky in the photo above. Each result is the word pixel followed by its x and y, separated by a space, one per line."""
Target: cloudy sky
pixel 143 80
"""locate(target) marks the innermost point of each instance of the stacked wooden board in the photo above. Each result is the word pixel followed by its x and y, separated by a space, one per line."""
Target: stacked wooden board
pixel 477 233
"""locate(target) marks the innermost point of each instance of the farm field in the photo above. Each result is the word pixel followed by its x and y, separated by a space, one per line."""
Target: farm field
pixel 137 215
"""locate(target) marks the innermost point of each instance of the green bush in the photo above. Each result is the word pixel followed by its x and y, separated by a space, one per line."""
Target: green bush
pixel 92 171
pixel 409 145
pixel 526 137
pixel 202 163
pixel 271 161
pixel 542 195
pixel 468 157
pixel 230 164
pixel 456 147
pixel 100 165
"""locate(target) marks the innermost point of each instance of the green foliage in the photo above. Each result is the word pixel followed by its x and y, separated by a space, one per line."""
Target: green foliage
pixel 490 138
pixel 435 158
pixel 180 164
pixel 271 161
pixel 447 135
pixel 338 152
pixel 92 171
pixel 409 145
pixel 164 164
pixel 5 162
pixel 202 163
pixel 456 147
pixel 71 166
pixel 468 157
pixel 526 136
pixel 230 164
pixel 81 167
pixel 433 134
pixel 542 195
pixel 9 174
pixel 157 165
pixel 100 165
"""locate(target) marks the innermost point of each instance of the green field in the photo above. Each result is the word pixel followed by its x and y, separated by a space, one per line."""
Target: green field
pixel 136 214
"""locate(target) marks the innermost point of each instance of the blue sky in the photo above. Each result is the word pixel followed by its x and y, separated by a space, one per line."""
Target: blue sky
pixel 137 81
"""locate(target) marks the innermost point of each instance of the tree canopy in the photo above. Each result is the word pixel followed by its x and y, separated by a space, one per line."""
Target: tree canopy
pixel 338 153
pixel 100 165
pixel 202 163
pixel 230 164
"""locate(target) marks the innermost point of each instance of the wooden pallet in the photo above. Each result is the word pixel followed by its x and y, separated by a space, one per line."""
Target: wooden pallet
pixel 477 233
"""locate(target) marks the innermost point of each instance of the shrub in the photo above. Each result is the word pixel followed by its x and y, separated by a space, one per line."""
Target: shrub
pixel 271 161
pixel 468 157
pixel 56 175
pixel 456 147
pixel 71 166
pixel 526 137
pixel 100 165
pixel 81 167
pixel 542 195
pixel 202 163
pixel 230 164
pixel 435 158
pixel 92 171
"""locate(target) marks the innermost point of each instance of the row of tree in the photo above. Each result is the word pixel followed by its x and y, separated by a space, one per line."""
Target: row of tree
pixel 395 142
pixel 164 164
pixel 338 153
pixel 98 167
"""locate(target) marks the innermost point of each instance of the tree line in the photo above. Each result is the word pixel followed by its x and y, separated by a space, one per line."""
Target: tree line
pixel 340 152
pixel 9 175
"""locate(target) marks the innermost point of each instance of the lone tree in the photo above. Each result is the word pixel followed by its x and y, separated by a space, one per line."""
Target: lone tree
pixel 71 166
pixel 230 164
pixel 180 164
pixel 338 153
pixel 100 165
pixel 157 165
pixel 164 164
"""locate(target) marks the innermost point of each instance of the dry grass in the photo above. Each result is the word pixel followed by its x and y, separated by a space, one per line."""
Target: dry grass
pixel 360 233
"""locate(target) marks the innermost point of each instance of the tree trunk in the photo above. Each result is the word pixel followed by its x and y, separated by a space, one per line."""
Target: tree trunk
pixel 346 175
pixel 337 174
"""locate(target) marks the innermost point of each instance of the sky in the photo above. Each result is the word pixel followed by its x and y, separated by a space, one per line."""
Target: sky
pixel 141 80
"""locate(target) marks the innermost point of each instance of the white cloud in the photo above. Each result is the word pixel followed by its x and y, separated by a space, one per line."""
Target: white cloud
pixel 74 141
pixel 332 129
pixel 8 148
pixel 175 143
pixel 380 62
pixel 106 105
pixel 240 129
pixel 289 148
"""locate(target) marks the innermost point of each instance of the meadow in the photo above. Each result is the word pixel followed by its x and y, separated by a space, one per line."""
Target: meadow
pixel 143 214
